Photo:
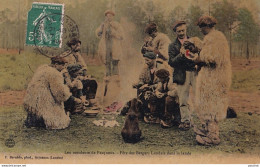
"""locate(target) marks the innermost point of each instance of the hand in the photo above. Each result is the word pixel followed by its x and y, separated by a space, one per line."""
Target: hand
pixel 78 100
pixel 159 95
pixel 191 56
pixel 182 50
pixel 145 86
pixel 149 48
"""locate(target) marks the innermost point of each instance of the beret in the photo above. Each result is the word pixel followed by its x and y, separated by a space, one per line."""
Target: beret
pixel 150 28
pixel 73 41
pixel 74 67
pixel 207 21
pixel 177 24
pixel 162 73
pixel 58 60
pixel 109 12
pixel 150 55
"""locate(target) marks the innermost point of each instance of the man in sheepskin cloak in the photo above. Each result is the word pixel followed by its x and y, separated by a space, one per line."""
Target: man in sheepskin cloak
pixel 110 50
pixel 158 43
pixel 45 97
pixel 213 82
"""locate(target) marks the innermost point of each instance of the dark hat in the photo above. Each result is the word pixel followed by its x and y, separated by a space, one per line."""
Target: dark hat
pixel 109 12
pixel 58 60
pixel 177 24
pixel 150 55
pixel 162 73
pixel 206 21
pixel 152 27
pixel 73 41
pixel 74 67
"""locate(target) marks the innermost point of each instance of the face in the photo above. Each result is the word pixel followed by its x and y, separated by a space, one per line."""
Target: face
pixel 77 73
pixel 59 67
pixel 153 34
pixel 181 31
pixel 75 48
pixel 109 17
pixel 205 29
pixel 163 80
pixel 149 62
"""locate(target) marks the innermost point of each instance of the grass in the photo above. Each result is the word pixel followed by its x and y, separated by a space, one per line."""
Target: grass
pixel 248 81
pixel 238 135
pixel 17 70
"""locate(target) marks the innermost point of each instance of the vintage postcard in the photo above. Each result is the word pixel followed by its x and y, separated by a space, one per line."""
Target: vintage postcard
pixel 130 81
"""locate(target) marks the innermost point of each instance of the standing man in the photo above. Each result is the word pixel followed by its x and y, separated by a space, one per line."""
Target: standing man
pixel 184 72
pixel 158 43
pixel 110 49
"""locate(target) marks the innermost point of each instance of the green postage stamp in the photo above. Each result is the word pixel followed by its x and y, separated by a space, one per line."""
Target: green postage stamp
pixel 44 26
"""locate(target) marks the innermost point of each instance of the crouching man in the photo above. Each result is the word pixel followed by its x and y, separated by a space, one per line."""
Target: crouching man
pixel 146 85
pixel 45 97
pixel 166 102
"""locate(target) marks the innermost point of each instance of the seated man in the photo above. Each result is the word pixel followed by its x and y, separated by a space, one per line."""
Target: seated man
pixel 147 84
pixel 166 104
pixel 74 82
pixel 46 95
pixel 73 56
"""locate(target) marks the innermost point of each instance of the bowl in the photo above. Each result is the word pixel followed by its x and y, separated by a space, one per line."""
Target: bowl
pixel 91 113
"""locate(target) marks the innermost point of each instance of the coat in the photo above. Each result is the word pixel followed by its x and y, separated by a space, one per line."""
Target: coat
pixel 74 58
pixel 179 62
pixel 169 87
pixel 160 43
pixel 45 97
pixel 146 78
pixel 213 82
pixel 117 37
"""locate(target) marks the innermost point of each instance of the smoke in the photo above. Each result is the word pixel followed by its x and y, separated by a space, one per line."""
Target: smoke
pixel 131 62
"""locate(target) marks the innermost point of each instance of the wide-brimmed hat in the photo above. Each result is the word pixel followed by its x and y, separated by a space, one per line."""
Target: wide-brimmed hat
pixel 58 60
pixel 109 12
pixel 151 27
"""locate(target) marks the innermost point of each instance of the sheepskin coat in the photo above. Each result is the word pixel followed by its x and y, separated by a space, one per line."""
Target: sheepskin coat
pixel 161 43
pixel 45 97
pixel 117 37
pixel 213 83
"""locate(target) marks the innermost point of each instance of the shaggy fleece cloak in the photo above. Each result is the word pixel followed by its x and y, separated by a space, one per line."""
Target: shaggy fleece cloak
pixel 45 97
pixel 213 83
pixel 117 37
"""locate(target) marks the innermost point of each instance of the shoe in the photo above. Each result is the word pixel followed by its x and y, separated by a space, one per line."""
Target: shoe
pixel 151 120
pixel 207 140
pixel 166 123
pixel 185 125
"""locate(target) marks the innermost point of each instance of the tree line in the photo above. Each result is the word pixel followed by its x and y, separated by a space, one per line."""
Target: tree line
pixel 238 24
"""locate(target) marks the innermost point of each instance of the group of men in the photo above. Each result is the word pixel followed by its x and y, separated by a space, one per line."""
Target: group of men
pixel 172 69
pixel 59 89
